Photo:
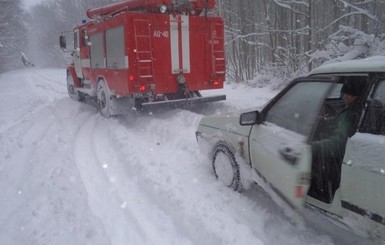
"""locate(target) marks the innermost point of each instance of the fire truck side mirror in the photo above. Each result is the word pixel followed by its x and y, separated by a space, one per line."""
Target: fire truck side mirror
pixel 63 42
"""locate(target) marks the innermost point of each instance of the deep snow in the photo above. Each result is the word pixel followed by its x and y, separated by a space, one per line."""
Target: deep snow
pixel 70 176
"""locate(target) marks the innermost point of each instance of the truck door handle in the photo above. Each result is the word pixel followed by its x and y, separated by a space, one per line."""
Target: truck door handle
pixel 289 155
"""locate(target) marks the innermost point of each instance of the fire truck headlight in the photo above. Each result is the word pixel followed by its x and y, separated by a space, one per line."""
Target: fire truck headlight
pixel 181 79
pixel 163 9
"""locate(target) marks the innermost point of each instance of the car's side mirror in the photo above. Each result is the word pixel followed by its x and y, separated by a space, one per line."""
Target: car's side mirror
pixel 250 118
pixel 63 42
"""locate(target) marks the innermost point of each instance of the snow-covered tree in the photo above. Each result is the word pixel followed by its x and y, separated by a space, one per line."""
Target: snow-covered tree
pixel 49 19
pixel 12 34
pixel 349 43
pixel 286 38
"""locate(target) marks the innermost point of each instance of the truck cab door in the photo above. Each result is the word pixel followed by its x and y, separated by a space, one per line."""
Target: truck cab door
pixel 279 149
pixel 76 54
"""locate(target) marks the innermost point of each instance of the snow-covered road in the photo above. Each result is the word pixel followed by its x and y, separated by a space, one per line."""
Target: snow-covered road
pixel 70 176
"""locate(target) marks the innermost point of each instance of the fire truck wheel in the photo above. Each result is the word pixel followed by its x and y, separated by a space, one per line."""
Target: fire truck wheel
pixel 104 99
pixel 72 92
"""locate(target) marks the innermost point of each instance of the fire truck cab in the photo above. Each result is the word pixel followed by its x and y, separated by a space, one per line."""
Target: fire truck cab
pixel 148 53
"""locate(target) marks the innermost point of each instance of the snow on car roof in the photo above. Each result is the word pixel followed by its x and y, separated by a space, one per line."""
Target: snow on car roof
pixel 371 64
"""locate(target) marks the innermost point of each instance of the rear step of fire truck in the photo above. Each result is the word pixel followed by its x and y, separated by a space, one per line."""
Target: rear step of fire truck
pixel 181 103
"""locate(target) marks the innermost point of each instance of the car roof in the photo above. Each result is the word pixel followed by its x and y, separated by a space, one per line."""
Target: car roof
pixel 367 65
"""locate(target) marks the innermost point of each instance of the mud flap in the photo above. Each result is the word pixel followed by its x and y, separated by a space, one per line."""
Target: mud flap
pixel 71 70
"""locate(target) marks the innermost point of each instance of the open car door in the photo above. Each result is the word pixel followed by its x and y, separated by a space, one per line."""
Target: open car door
pixel 279 149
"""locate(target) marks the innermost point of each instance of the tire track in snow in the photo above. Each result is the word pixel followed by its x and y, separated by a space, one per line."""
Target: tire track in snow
pixel 128 170
pixel 41 199
pixel 93 177
pixel 126 223
pixel 34 93
pixel 45 83
pixel 175 185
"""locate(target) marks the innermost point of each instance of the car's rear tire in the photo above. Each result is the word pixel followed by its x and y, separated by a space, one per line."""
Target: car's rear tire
pixel 226 167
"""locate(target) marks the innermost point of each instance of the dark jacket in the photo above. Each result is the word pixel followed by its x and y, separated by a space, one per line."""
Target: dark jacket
pixel 345 127
pixel 328 154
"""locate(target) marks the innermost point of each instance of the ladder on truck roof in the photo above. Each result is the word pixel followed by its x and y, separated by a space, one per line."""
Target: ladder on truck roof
pixel 143 47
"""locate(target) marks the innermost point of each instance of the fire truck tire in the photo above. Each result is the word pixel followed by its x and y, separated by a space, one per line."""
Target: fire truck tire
pixel 104 99
pixel 72 92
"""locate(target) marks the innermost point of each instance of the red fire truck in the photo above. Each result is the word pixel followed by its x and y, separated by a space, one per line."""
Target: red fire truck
pixel 147 53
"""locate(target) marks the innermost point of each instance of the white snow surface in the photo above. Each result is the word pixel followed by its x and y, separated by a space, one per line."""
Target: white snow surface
pixel 70 176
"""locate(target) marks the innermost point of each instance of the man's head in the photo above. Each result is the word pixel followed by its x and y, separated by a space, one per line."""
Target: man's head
pixel 352 88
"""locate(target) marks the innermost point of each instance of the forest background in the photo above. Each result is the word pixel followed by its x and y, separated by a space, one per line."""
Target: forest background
pixel 264 38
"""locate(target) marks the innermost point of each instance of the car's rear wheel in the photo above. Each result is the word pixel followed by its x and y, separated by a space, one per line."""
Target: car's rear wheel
pixel 226 168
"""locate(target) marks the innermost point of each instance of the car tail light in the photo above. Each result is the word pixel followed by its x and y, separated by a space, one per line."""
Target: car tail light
pixel 216 83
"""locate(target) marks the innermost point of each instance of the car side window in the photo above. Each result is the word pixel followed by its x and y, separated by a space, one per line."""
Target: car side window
pixel 374 121
pixel 298 108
